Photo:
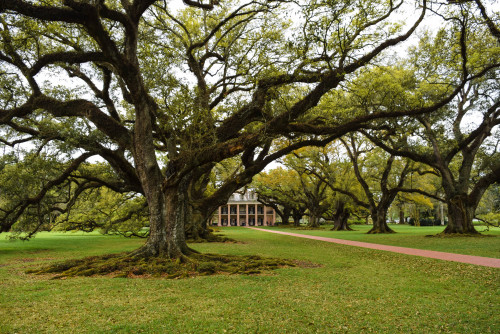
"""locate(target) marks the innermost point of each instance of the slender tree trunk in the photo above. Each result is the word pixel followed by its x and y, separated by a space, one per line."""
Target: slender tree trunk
pixel 401 214
pixel 296 218
pixel 460 215
pixel 313 221
pixel 285 215
pixel 379 217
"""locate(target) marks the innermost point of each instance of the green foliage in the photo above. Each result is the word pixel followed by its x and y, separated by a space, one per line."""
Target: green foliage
pixel 167 96
pixel 427 222
pixel 281 186
pixel 107 211
pixel 24 180
pixel 75 203
pixel 491 218
pixel 489 208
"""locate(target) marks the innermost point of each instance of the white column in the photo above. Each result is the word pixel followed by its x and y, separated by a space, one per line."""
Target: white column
pixel 237 215
pixel 255 212
pixel 219 221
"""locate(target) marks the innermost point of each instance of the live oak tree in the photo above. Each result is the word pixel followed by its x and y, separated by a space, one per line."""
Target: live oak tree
pixel 460 142
pixel 381 176
pixel 281 189
pixel 341 212
pixel 343 206
pixel 332 174
pixel 19 178
pixel 162 95
pixel 303 185
pixel 313 191
pixel 422 191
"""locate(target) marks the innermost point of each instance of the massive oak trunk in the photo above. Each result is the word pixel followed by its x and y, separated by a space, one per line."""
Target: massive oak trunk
pixel 161 240
pixel 341 217
pixel 157 242
pixel 167 221
pixel 167 205
pixel 197 225
pixel 379 213
pixel 460 215
pixel 379 217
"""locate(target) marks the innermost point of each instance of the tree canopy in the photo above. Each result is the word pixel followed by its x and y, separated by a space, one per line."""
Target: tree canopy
pixel 459 141
pixel 161 95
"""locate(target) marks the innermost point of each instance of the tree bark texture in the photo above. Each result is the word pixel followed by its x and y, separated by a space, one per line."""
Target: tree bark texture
pixel 341 217
pixel 285 215
pixel 313 221
pixel 460 215
pixel 379 217
pixel 401 215
pixel 159 242
pixel 297 216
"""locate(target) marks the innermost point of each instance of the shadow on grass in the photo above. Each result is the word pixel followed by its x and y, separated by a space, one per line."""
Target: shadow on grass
pixel 14 251
pixel 459 235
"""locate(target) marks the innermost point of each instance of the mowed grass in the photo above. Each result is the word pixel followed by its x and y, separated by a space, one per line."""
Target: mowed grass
pixel 415 237
pixel 355 290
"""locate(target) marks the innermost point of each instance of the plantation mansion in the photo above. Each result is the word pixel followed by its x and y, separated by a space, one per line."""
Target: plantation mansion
pixel 244 210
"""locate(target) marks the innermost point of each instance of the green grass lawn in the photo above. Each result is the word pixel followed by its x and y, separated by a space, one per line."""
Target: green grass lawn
pixel 354 291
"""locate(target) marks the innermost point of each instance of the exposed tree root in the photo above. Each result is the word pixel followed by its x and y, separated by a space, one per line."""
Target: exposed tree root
pixel 377 231
pixel 380 228
pixel 125 265
pixel 211 238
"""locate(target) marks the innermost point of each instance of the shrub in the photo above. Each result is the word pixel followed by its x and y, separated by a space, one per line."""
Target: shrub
pixel 428 222
pixel 357 221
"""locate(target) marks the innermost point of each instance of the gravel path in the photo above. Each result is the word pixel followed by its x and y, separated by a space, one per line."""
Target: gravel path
pixel 477 260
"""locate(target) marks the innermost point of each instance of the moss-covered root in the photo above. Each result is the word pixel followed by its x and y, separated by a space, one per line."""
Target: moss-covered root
pixel 212 238
pixel 380 230
pixel 124 265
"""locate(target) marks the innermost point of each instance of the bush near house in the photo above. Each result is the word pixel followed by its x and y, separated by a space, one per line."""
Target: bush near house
pixel 428 222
